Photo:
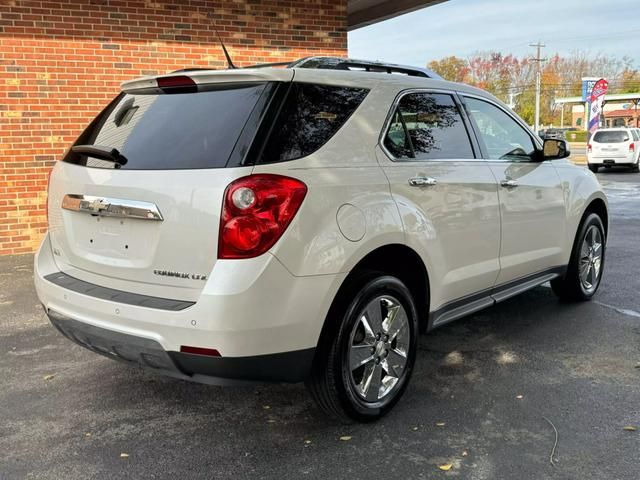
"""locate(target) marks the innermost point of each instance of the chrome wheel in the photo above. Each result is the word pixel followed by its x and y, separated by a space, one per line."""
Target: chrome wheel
pixel 590 265
pixel 379 348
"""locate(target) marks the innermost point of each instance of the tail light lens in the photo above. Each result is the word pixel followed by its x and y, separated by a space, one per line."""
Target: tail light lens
pixel 589 148
pixel 255 213
pixel 632 147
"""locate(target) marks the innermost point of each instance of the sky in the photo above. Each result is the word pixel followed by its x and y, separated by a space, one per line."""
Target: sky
pixel 463 27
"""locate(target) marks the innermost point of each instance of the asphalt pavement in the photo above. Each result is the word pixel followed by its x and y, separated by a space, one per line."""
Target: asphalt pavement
pixel 485 397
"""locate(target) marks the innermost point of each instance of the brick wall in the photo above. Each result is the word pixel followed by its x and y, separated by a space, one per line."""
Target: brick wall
pixel 61 62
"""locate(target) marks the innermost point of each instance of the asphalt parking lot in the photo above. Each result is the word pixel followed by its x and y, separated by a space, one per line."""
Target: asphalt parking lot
pixel 482 392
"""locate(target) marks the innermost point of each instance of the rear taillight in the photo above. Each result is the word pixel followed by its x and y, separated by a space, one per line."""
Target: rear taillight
pixel 589 148
pixel 255 213
pixel 632 147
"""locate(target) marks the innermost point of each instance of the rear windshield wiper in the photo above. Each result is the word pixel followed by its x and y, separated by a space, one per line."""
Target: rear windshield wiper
pixel 109 154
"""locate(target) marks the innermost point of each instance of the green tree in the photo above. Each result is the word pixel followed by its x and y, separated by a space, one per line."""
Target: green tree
pixel 452 68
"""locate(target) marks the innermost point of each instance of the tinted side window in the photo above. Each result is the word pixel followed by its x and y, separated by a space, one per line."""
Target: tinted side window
pixel 310 116
pixel 428 126
pixel 171 131
pixel 502 136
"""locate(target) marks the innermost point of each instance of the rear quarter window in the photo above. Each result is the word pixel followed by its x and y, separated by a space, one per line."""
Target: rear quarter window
pixel 310 115
pixel 193 130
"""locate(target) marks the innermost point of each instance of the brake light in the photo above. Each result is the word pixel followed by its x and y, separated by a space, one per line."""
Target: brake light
pixel 256 211
pixel 180 83
pixel 589 148
pixel 632 147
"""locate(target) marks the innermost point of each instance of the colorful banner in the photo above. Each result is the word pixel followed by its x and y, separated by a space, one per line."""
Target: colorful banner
pixel 587 87
pixel 596 101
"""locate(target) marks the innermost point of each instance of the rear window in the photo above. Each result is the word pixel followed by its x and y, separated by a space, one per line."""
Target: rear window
pixel 172 131
pixel 612 136
pixel 310 116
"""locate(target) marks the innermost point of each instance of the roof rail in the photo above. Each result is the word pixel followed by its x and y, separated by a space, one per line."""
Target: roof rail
pixel 337 63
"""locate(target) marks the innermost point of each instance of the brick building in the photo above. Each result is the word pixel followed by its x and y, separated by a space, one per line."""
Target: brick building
pixel 61 62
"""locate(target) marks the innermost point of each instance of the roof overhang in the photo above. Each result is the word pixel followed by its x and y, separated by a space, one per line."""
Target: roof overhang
pixel 361 13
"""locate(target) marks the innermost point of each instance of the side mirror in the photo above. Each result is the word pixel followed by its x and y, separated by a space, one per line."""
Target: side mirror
pixel 555 149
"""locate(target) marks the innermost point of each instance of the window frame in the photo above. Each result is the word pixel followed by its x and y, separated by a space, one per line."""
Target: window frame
pixel 475 147
pixel 537 142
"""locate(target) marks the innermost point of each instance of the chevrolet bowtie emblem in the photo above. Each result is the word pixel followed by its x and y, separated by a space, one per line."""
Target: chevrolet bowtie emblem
pixel 98 205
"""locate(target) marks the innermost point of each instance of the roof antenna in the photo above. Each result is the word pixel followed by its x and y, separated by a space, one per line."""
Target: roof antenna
pixel 224 49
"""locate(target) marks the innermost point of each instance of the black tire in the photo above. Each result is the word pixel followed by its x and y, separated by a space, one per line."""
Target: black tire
pixel 636 168
pixel 593 168
pixel 570 287
pixel 332 382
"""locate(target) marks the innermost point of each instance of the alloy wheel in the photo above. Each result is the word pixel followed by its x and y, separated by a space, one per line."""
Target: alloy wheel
pixel 379 348
pixel 590 266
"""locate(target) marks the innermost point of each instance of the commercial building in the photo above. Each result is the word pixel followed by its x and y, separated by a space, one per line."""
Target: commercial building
pixel 61 62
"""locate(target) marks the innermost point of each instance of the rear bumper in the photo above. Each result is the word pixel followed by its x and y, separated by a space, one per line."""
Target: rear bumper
pixel 149 354
pixel 622 160
pixel 264 321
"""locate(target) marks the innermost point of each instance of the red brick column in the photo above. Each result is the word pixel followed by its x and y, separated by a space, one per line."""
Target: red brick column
pixel 61 62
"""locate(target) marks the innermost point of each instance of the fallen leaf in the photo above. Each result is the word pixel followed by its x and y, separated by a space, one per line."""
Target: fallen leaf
pixel 345 438
pixel 630 428
pixel 307 442
pixel 124 455
pixel 48 377
pixel 519 397
pixel 414 428
pixel 266 407
pixel 446 467
pixel 440 424
pixel 88 434
pixel 465 453
pixel 271 420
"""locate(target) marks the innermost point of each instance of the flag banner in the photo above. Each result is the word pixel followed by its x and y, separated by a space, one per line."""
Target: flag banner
pixel 596 101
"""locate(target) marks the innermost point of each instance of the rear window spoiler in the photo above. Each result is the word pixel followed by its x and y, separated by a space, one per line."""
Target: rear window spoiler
pixel 208 77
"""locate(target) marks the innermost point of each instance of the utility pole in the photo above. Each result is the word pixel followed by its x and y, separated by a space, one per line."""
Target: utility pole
pixel 539 61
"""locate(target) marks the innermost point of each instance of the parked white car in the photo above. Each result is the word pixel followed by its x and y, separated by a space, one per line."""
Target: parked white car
pixel 305 223
pixel 614 147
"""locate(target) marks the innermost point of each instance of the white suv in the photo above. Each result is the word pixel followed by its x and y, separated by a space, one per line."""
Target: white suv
pixel 305 223
pixel 614 147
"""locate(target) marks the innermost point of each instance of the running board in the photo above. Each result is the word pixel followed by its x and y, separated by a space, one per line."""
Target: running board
pixel 468 305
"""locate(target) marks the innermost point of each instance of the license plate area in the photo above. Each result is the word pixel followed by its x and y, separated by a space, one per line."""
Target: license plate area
pixel 608 161
pixel 112 241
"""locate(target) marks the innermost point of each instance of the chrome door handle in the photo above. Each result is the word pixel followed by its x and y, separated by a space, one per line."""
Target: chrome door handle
pixel 422 181
pixel 508 183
